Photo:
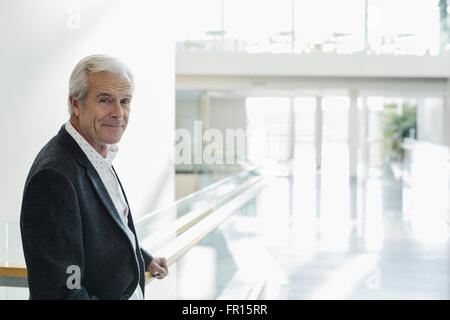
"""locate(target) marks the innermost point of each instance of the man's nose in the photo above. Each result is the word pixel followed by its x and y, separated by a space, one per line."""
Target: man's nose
pixel 117 112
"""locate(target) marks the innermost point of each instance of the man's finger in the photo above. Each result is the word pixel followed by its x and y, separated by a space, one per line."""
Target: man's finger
pixel 157 269
pixel 164 264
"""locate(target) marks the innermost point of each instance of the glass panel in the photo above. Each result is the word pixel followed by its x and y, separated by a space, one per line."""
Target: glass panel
pixel 198 17
pixel 305 119
pixel 202 201
pixel 15 250
pixel 12 293
pixel 375 107
pixel 335 118
pixel 335 163
pixel 267 128
pixel 228 272
pixel 3 241
pixel 394 27
pixel 305 126
pixel 415 27
pixel 11 251
pixel 11 242
pixel 329 26
pixel 261 25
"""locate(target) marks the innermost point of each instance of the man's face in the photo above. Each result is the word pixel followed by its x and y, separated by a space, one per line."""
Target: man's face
pixel 103 115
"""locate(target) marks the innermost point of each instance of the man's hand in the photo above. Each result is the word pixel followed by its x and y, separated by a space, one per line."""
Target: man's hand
pixel 158 267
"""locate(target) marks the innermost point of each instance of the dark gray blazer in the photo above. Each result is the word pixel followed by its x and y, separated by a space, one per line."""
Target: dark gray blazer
pixel 68 218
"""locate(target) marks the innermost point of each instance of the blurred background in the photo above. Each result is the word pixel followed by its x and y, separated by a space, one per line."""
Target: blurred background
pixel 345 107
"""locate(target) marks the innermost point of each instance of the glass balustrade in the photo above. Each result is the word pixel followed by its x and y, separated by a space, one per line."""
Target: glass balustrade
pixel 11 254
pixel 381 27
pixel 163 225
pixel 223 262
pixel 159 228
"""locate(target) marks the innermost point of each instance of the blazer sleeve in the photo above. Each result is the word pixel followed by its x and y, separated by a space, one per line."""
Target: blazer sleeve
pixel 52 238
pixel 147 258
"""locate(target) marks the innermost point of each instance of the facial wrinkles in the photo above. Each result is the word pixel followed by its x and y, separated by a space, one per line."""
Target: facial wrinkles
pixel 119 89
pixel 116 90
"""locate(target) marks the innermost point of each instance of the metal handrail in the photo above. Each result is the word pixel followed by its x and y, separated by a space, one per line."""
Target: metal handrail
pixel 192 195
pixel 190 218
pixel 175 248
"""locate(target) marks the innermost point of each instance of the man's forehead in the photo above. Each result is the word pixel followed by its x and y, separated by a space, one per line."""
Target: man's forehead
pixel 107 82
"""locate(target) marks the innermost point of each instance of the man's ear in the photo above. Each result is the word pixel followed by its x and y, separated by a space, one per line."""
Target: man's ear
pixel 75 105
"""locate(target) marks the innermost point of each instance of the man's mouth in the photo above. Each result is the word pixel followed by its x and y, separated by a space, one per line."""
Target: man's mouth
pixel 113 125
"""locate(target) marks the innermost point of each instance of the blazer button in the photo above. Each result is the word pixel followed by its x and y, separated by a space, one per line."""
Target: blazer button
pixel 125 297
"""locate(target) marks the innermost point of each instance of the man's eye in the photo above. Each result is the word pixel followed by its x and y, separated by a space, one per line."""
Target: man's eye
pixel 104 100
pixel 125 101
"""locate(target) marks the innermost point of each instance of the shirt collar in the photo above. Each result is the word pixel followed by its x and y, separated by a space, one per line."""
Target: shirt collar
pixel 94 157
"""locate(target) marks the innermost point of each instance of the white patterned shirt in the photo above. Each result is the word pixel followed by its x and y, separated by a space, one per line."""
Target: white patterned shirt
pixel 103 166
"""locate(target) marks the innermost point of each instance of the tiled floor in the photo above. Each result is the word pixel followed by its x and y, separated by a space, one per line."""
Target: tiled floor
pixel 323 236
pixel 335 239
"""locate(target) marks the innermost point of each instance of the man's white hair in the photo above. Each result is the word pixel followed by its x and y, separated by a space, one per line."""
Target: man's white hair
pixel 78 83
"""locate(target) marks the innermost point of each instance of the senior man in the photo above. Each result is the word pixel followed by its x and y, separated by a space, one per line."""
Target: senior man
pixel 78 235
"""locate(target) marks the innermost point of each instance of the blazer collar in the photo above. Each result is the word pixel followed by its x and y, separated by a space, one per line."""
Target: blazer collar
pixel 66 140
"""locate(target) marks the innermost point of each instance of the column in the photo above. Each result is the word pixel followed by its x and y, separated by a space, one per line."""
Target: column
pixel 206 110
pixel 420 118
pixel 319 115
pixel 447 111
pixel 353 134
pixel 291 143
pixel 364 135
pixel 291 135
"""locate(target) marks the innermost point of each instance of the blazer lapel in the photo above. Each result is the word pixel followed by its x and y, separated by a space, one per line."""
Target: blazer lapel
pixel 130 219
pixel 66 140
pixel 121 188
pixel 104 196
